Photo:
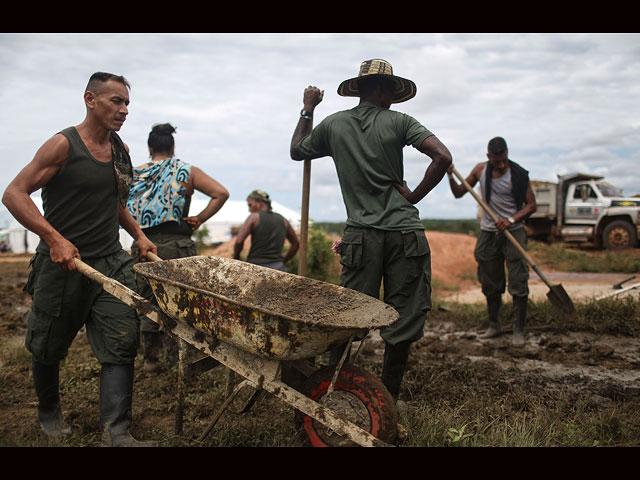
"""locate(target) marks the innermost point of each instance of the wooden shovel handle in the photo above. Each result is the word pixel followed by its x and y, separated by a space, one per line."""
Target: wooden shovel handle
pixel 304 219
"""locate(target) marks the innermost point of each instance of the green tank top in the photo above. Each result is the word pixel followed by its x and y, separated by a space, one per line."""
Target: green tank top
pixel 81 202
pixel 267 239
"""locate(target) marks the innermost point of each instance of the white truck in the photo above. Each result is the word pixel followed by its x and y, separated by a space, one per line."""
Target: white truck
pixel 584 208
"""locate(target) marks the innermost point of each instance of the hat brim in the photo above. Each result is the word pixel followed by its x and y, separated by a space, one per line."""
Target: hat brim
pixel 405 89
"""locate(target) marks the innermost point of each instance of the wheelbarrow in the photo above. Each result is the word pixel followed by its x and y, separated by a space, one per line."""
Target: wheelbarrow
pixel 256 320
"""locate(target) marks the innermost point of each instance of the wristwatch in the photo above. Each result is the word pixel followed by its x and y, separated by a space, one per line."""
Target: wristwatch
pixel 305 114
pixel 511 220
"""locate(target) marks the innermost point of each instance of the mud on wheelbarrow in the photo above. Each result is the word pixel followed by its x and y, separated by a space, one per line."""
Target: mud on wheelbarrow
pixel 257 321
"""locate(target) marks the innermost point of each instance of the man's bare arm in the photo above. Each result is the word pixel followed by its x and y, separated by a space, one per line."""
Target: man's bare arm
pixel 205 184
pixel 311 98
pixel 525 212
pixel 250 223
pixel 143 244
pixel 293 242
pixel 440 161
pixel 47 161
pixel 459 189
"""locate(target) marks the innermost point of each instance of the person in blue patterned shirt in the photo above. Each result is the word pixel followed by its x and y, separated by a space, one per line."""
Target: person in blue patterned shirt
pixel 159 201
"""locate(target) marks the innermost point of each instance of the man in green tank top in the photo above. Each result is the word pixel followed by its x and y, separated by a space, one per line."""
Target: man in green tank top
pixel 84 173
pixel 268 231
pixel 384 238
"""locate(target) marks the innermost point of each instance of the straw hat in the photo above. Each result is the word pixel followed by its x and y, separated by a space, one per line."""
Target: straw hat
pixel 405 89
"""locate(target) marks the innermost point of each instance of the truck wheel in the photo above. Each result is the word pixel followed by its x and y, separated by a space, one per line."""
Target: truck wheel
pixel 618 235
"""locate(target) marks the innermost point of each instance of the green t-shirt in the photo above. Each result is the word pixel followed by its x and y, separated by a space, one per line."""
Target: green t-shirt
pixel 366 144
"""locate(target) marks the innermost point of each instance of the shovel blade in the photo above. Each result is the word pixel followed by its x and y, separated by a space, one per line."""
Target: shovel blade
pixel 560 299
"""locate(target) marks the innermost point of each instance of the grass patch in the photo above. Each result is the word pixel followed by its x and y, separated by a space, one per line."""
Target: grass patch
pixel 607 316
pixel 588 260
pixel 14 353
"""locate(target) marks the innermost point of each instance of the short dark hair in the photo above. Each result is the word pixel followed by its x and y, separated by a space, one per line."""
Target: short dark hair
pixel 161 138
pixel 99 78
pixel 497 146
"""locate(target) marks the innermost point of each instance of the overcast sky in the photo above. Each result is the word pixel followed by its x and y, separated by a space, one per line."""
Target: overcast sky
pixel 563 102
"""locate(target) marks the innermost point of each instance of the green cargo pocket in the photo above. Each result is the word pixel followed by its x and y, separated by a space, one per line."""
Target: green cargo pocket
pixel 37 337
pixel 47 283
pixel 415 243
pixel 416 249
pixel 351 249
pixel 186 248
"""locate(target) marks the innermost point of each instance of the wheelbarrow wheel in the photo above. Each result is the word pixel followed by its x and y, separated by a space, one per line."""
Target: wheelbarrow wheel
pixel 358 396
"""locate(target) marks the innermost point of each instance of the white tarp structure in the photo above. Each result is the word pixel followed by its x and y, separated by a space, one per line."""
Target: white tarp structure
pixel 232 215
pixel 17 238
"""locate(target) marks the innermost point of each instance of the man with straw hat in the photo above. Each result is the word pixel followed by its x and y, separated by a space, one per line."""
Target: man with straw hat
pixel 384 237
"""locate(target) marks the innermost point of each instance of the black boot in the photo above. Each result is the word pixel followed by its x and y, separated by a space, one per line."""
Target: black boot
pixel 393 366
pixel 520 310
pixel 151 350
pixel 116 388
pixel 494 306
pixel 46 379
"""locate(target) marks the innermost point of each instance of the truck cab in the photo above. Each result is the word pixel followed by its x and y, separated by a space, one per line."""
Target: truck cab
pixel 585 208
pixel 586 201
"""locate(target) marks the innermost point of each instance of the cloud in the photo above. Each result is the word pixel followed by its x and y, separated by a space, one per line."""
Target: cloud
pixel 562 101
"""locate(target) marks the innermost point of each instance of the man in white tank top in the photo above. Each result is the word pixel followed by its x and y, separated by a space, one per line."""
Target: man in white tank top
pixel 506 189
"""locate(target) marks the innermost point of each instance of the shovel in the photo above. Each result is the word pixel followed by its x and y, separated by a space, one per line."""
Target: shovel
pixel 556 294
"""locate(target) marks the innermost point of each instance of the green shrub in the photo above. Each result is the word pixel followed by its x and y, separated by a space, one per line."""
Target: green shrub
pixel 322 264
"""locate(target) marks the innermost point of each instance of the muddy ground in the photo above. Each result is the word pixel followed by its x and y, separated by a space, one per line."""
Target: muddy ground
pixel 604 369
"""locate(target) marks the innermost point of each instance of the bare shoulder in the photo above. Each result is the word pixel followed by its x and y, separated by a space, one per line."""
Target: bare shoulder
pixel 53 152
pixel 478 169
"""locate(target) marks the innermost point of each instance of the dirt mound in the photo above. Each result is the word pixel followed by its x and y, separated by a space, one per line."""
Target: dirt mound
pixel 452 263
pixel 453 266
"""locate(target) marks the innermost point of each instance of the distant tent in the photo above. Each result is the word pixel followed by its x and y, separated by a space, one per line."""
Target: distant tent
pixel 232 215
pixel 17 238
pixel 220 227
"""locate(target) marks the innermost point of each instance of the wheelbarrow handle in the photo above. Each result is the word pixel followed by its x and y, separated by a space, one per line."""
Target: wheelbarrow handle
pixel 109 284
pixel 153 257
pixel 93 274
pixel 118 290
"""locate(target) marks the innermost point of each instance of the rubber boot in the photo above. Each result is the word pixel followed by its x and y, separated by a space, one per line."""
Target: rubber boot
pixel 46 379
pixel 393 367
pixel 520 309
pixel 151 349
pixel 116 389
pixel 494 306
